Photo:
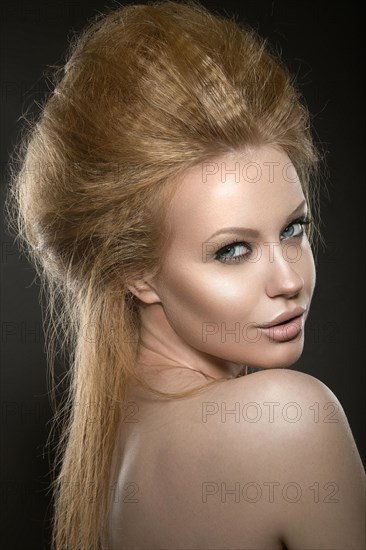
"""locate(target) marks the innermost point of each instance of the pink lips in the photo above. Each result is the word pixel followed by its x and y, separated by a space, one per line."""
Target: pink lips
pixel 285 326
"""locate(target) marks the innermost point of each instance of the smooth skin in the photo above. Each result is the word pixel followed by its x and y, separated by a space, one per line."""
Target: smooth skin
pixel 281 470
pixel 189 310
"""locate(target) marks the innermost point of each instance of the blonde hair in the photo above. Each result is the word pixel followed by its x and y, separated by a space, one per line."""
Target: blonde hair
pixel 147 92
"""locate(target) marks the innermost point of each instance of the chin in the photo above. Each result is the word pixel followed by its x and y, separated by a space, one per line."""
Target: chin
pixel 282 357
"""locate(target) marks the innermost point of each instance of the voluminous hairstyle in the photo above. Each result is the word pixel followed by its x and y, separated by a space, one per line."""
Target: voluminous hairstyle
pixel 147 91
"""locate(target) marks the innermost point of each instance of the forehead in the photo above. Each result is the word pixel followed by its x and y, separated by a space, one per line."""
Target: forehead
pixel 253 188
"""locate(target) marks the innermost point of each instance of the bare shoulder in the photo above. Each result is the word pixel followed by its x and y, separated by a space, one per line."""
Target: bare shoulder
pixel 284 382
pixel 276 398
pixel 287 435
pixel 289 414
pixel 263 461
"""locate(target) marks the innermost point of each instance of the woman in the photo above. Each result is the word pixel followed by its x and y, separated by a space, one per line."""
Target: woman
pixel 166 126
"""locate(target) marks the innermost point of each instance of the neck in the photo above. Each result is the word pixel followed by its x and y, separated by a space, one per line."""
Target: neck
pixel 162 350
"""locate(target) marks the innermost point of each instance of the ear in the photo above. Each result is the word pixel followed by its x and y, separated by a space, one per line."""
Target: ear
pixel 144 289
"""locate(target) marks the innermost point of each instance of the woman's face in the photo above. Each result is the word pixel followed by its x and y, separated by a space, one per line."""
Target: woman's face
pixel 215 293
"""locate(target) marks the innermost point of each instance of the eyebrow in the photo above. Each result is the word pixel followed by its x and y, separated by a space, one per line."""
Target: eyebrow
pixel 253 232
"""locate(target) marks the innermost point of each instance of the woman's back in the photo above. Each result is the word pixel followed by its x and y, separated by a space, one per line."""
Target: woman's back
pixel 231 468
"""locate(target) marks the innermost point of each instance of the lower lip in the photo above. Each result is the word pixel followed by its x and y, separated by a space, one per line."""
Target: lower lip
pixel 286 331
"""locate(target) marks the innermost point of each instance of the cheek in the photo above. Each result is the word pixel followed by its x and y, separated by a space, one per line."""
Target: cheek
pixel 198 291
pixel 200 295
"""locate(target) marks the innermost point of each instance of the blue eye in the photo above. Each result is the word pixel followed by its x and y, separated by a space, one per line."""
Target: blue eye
pixel 296 228
pixel 293 230
pixel 233 252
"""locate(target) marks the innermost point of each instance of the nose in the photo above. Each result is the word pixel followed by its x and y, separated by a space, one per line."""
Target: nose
pixel 283 277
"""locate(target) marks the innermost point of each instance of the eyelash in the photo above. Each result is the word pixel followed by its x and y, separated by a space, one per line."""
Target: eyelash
pixel 303 221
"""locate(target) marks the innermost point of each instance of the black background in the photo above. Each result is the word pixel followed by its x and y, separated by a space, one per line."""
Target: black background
pixel 321 44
